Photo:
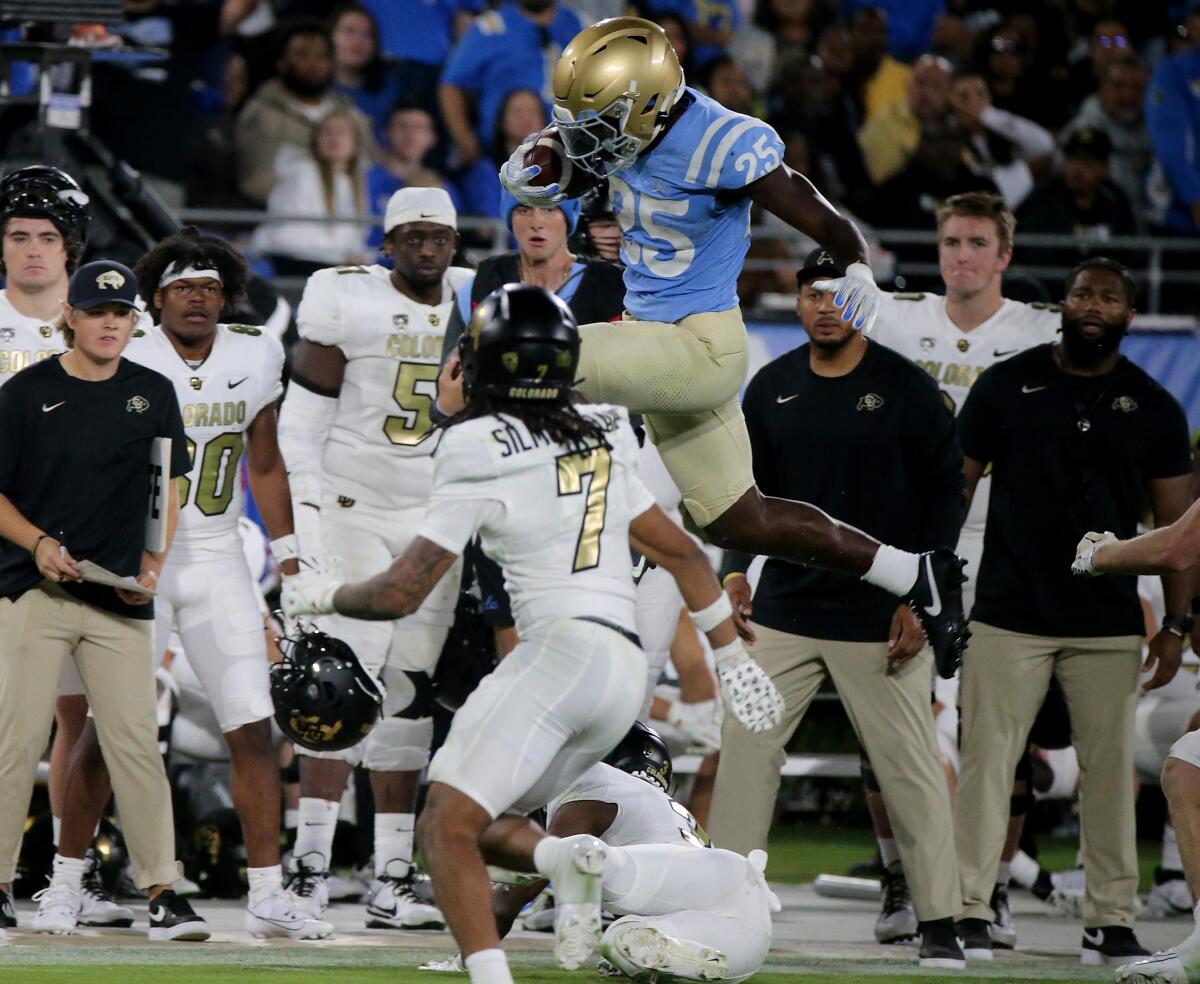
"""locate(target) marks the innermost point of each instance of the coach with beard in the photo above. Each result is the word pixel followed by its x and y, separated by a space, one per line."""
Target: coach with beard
pixel 1078 437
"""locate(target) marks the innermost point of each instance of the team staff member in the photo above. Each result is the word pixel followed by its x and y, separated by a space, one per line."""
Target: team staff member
pixel 890 465
pixel 1076 435
pixel 75 438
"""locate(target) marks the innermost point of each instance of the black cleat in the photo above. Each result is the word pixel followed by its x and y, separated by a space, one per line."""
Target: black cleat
pixel 1111 946
pixel 939 946
pixel 976 936
pixel 937 599
pixel 171 918
pixel 897 920
pixel 1004 932
pixel 8 915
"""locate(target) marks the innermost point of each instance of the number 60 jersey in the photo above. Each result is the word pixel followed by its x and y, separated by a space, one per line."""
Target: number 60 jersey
pixel 376 452
pixel 219 399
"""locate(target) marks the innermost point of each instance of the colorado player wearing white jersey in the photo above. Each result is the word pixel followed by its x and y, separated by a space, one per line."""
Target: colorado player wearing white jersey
pixel 954 338
pixel 228 379
pixel 551 488
pixel 683 172
pixel 355 431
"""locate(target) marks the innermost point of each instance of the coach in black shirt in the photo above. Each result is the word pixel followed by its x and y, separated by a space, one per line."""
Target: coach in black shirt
pixel 76 433
pixel 855 428
pixel 1077 437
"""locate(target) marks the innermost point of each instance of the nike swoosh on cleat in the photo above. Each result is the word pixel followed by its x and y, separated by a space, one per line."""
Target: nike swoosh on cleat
pixel 1096 939
pixel 935 606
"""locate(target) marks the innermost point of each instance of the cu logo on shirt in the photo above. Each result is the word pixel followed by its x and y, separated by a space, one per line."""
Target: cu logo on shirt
pixel 137 404
pixel 872 401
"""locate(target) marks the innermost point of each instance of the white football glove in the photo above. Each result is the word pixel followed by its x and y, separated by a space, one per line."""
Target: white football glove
pixel 1086 549
pixel 749 694
pixel 311 591
pixel 700 722
pixel 856 294
pixel 515 178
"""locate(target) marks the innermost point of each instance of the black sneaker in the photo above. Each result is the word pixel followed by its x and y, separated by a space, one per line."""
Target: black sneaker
pixel 1111 946
pixel 937 599
pixel 8 915
pixel 939 946
pixel 1004 933
pixel 171 918
pixel 976 936
pixel 897 920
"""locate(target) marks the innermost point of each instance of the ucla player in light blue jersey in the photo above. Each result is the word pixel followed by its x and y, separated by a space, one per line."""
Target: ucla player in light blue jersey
pixel 684 172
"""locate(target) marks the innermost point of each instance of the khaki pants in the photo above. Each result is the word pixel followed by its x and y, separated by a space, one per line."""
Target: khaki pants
pixel 115 658
pixel 684 379
pixel 1005 676
pixel 892 717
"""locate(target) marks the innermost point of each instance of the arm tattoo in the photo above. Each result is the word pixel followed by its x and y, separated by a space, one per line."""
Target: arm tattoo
pixel 399 590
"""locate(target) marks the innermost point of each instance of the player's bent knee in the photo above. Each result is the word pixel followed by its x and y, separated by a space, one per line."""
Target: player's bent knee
pixel 399 745
pixel 352 756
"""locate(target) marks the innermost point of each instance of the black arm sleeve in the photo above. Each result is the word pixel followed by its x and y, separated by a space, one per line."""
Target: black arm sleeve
pixel 734 562
pixel 935 464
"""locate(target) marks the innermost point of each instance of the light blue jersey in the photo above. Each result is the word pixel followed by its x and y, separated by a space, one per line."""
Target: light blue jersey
pixel 682 247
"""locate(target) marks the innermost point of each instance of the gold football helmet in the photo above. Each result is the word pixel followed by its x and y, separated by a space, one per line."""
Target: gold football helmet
pixel 614 86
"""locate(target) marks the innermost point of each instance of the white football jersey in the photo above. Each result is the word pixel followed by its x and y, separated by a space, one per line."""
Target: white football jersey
pixel 917 326
pixel 645 814
pixel 219 399
pixel 24 340
pixel 377 452
pixel 556 520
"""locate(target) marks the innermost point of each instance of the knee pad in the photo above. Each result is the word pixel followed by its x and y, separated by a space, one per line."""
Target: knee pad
pixel 1064 768
pixel 398 745
pixel 353 755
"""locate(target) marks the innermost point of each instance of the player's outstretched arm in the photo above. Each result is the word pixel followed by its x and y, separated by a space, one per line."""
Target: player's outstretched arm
pixel 395 593
pixel 268 479
pixel 792 197
pixel 1167 550
pixel 748 692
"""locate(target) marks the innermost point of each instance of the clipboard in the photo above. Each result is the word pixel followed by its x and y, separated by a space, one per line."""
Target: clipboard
pixel 102 575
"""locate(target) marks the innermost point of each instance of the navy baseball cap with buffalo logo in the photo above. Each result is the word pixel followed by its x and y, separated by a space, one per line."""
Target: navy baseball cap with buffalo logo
pixel 102 282
pixel 819 263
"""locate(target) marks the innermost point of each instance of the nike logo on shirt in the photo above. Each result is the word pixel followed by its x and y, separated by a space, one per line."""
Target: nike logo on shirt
pixel 238 383
pixel 1000 355
pixel 786 399
pixel 47 409
pixel 1031 389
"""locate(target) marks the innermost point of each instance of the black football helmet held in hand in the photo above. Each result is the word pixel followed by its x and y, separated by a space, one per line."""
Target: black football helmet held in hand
pixel 642 753
pixel 521 343
pixel 324 699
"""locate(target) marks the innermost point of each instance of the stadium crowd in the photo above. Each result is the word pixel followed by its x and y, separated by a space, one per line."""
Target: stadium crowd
pixel 367 132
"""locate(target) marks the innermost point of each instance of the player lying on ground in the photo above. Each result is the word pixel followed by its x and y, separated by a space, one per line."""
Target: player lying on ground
pixel 551 488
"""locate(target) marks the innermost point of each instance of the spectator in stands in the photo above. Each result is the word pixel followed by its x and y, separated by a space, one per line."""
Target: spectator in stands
pixel 890 137
pixel 1173 122
pixel 358 68
pixel 727 82
pixel 1076 436
pixel 1080 200
pixel 285 109
pixel 410 136
pixel 522 113
pixel 1117 110
pixel 1007 148
pixel 213 182
pixel 512 47
pixel 679 33
pixel 910 24
pixel 939 168
pixel 874 420
pixel 953 39
pixel 1020 86
pixel 592 289
pixel 713 23
pixel 329 180
pixel 598 230
pixel 882 80
pixel 1109 41
pixel 417 37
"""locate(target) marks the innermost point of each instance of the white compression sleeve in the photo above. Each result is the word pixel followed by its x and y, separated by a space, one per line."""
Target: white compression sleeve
pixel 305 421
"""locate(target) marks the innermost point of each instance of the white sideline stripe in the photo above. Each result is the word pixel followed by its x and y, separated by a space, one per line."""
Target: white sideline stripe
pixel 831 766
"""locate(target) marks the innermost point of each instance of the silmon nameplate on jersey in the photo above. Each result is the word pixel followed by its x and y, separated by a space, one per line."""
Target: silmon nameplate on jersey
pixel 102 575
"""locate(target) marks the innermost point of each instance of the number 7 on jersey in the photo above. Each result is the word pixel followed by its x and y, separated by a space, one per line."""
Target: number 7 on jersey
pixel 572 470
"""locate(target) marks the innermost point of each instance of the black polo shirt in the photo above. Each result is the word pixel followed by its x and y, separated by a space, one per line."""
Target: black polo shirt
pixel 74 460
pixel 876 449
pixel 1068 454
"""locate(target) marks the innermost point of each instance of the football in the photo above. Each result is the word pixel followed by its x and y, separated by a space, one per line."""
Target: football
pixel 550 155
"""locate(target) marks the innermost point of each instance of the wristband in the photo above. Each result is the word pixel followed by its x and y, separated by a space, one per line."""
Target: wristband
pixel 709 618
pixel 730 576
pixel 1178 625
pixel 285 548
pixel 37 543
pixel 733 650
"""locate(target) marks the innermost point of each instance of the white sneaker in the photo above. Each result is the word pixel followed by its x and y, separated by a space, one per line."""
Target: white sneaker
pixel 538 916
pixel 1069 889
pixel 281 914
pixel 305 879
pixel 1170 899
pixel 98 907
pixel 393 905
pixel 343 889
pixel 58 908
pixel 576 875
pixel 647 954
pixel 1162 968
